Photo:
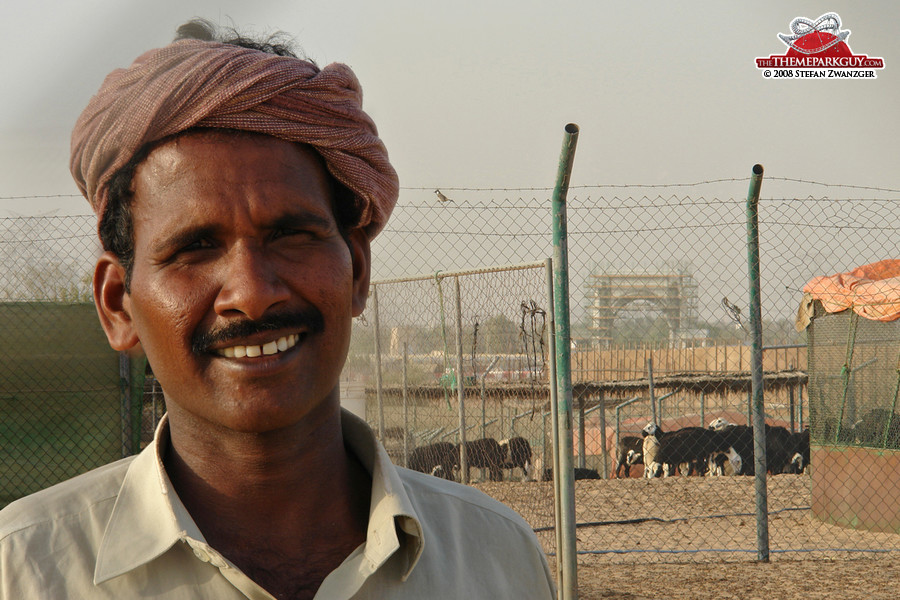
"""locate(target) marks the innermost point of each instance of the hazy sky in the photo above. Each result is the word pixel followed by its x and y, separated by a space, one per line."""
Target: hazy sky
pixel 476 94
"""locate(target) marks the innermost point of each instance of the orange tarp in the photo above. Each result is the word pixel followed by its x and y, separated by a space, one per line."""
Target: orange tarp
pixel 872 291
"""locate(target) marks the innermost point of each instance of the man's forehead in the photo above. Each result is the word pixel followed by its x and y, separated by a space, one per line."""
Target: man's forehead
pixel 224 172
pixel 181 154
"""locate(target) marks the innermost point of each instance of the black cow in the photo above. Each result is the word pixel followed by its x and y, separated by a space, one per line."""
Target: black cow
pixel 691 445
pixel 800 460
pixel 485 453
pixel 625 444
pixel 780 447
pixel 436 459
pixel 870 430
pixel 578 474
pixel 517 452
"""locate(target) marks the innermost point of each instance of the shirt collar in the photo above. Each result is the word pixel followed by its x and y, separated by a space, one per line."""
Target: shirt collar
pixel 149 518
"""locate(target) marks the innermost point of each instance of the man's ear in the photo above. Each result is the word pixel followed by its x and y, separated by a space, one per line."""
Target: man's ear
pixel 112 302
pixel 362 263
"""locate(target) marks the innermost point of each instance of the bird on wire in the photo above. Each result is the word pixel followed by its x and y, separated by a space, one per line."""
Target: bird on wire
pixel 441 197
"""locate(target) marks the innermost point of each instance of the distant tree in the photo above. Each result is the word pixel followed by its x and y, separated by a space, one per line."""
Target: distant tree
pixel 499 335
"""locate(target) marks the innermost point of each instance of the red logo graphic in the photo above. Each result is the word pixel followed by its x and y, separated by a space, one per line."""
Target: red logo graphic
pixel 818 49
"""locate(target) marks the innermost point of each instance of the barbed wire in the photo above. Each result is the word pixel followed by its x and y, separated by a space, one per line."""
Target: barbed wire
pixel 651 185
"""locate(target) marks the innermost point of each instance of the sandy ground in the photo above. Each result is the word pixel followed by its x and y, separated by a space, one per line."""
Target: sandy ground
pixel 689 537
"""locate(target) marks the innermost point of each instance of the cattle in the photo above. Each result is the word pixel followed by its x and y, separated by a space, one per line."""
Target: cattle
pixel 780 447
pixel 800 459
pixel 650 448
pixel 871 429
pixel 485 453
pixel 719 424
pixel 517 453
pixel 629 451
pixel 740 440
pixel 691 445
pixel 438 459
pixel 578 474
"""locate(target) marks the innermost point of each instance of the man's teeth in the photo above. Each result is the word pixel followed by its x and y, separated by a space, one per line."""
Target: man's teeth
pixel 273 347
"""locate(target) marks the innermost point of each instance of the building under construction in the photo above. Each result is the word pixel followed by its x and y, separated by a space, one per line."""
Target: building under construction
pixel 614 295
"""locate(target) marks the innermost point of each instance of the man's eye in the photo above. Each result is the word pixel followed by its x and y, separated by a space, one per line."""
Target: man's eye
pixel 200 244
pixel 282 233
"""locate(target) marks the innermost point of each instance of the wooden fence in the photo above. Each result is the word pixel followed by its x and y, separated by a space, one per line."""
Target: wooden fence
pixel 617 364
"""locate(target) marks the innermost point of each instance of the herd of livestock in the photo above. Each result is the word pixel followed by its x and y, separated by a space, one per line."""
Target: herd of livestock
pixel 722 448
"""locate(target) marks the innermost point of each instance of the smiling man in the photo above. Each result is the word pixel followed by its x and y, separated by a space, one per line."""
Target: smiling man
pixel 237 189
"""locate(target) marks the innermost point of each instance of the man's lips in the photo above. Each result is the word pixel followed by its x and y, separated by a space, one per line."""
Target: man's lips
pixel 266 336
pixel 273 347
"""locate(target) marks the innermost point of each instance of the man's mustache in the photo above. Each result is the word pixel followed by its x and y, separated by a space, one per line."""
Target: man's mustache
pixel 309 320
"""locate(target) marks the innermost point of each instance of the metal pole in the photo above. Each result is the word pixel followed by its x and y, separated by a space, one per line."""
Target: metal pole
pixel 603 435
pixel 566 475
pixel 546 459
pixel 791 403
pixel 703 409
pixel 652 395
pixel 405 405
pixel 800 405
pixel 581 442
pixel 659 401
pixel 759 419
pixel 460 388
pixel 125 403
pixel 554 428
pixel 378 381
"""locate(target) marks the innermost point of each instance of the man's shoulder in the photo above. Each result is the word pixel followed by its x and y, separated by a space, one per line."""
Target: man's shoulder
pixel 450 497
pixel 65 500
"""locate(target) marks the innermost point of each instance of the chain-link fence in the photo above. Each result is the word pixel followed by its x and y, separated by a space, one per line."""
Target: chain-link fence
pixel 658 279
pixel 63 408
pixel 454 371
pixel 661 334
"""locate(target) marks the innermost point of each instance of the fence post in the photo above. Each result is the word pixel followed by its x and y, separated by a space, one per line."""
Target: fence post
pixel 405 405
pixel 125 405
pixel 652 394
pixel 602 403
pixel 554 427
pixel 703 409
pixel 569 584
pixel 378 383
pixel 759 420
pixel 460 388
pixel 791 402
pixel 581 442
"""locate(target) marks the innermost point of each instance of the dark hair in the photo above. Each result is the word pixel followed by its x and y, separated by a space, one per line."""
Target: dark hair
pixel 117 223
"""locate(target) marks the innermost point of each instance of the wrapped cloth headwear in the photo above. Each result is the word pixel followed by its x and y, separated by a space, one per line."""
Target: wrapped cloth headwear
pixel 192 83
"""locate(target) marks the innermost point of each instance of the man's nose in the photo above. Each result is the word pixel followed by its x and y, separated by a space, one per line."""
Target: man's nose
pixel 250 283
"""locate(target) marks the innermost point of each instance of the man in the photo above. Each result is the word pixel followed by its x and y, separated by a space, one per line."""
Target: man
pixel 237 189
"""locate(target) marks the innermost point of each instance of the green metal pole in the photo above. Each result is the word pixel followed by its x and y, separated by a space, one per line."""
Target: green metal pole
pixel 554 427
pixel 565 474
pixel 460 388
pixel 756 369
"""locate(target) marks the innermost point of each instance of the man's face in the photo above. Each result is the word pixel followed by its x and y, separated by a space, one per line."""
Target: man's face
pixel 243 288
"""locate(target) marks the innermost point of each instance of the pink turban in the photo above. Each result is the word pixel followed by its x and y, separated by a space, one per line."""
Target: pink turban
pixel 193 83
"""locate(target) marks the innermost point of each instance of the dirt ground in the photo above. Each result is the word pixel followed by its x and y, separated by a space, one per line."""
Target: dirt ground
pixel 690 537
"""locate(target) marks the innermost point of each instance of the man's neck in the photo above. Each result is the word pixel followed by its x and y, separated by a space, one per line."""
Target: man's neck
pixel 295 498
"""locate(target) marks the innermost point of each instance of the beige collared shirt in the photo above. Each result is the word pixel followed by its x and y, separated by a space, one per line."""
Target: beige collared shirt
pixel 121 531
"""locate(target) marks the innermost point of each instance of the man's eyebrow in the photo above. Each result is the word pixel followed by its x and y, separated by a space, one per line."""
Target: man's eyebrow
pixel 291 220
pixel 301 218
pixel 185 236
